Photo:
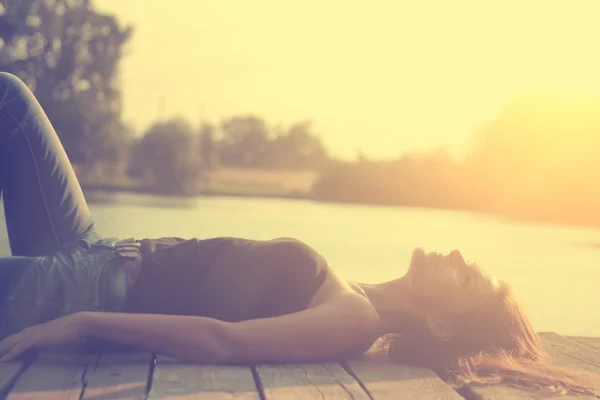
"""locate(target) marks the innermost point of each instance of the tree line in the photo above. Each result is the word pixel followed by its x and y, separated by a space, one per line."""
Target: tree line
pixel 68 53
pixel 536 160
pixel 173 157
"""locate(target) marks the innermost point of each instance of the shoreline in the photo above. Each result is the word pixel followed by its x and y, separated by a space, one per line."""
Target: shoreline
pixel 306 196
pixel 200 193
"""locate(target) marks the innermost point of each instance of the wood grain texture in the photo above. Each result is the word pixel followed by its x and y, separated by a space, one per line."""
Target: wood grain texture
pixel 309 381
pixel 175 380
pixel 126 376
pixel 52 376
pixel 118 376
pixel 591 342
pixel 8 373
pixel 562 352
pixel 386 380
pixel 584 356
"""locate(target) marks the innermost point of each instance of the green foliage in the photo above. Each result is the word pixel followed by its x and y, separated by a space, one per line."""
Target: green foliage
pixel 297 148
pixel 244 142
pixel 68 54
pixel 172 158
pixel 249 142
pixel 432 180
pixel 166 157
pixel 208 150
pixel 537 160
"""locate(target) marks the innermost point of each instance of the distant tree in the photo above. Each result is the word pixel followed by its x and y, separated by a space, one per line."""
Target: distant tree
pixel 68 54
pixel 208 147
pixel 244 142
pixel 427 180
pixel 297 148
pixel 166 158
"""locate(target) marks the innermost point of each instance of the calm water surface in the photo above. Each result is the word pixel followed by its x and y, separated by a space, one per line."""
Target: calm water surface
pixel 555 270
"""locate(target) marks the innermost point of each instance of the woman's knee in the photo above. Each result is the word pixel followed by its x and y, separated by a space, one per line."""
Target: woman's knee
pixel 10 81
pixel 18 102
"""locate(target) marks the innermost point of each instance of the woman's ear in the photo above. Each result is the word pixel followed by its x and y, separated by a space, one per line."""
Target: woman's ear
pixel 440 329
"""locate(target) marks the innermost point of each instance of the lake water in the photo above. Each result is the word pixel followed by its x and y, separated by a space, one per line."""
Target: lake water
pixel 555 270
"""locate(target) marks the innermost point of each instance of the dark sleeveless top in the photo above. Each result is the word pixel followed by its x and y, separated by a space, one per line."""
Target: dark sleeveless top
pixel 230 279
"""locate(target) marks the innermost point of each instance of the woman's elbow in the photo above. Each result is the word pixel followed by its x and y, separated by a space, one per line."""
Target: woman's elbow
pixel 207 345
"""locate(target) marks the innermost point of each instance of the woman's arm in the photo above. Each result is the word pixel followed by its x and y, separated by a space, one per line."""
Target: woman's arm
pixel 186 337
pixel 343 325
pixel 330 330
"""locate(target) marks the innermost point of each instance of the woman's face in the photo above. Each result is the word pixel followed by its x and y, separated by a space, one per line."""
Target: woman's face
pixel 446 286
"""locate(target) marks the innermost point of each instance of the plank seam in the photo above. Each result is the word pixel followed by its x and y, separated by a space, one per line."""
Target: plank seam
pixel 9 386
pixel 305 373
pixel 583 344
pixel 258 383
pixel 339 383
pixel 346 366
pixel 579 358
pixel 585 361
pixel 592 349
pixel 83 381
pixel 150 377
pixel 468 393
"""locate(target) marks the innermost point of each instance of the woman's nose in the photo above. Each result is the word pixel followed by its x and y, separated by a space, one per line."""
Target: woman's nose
pixel 455 255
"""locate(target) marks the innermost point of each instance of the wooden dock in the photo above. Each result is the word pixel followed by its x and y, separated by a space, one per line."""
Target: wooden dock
pixel 142 376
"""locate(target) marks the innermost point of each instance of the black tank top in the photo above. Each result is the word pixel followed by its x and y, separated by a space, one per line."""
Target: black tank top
pixel 230 279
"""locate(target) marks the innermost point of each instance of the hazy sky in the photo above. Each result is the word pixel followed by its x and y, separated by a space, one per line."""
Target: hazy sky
pixel 386 77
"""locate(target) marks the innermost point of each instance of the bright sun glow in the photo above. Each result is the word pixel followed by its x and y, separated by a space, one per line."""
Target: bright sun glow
pixel 386 77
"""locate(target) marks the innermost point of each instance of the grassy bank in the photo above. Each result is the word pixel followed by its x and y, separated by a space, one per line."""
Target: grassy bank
pixel 280 184
pixel 222 182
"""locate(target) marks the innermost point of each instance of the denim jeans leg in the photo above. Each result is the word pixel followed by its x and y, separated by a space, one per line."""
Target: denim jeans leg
pixel 9 269
pixel 43 202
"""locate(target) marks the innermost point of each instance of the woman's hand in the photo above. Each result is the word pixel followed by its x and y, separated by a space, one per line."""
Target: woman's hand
pixel 58 332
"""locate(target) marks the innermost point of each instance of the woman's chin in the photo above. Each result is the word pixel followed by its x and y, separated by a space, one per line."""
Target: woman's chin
pixel 417 259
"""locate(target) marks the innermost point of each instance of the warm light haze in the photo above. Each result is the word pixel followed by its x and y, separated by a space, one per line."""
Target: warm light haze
pixel 509 88
pixel 384 77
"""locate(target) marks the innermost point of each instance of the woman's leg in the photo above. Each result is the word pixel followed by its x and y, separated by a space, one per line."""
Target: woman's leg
pixel 9 267
pixel 43 202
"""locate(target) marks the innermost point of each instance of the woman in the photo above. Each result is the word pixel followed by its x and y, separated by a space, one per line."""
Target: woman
pixel 230 300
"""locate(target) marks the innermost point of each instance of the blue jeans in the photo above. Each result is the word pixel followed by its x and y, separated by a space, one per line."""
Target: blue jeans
pixel 58 257
pixel 43 202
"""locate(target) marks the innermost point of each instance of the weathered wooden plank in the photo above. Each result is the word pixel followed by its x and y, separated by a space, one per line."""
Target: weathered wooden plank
pixel 118 376
pixel 555 343
pixel 561 351
pixel 503 392
pixel 309 381
pixel 591 342
pixel 8 373
pixel 384 379
pixel 176 380
pixel 52 376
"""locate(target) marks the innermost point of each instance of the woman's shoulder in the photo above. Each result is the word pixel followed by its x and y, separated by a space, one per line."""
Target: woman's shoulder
pixel 336 286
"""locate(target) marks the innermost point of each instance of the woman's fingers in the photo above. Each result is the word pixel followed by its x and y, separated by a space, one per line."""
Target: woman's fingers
pixel 11 347
pixel 14 352
pixel 7 344
pixel 15 345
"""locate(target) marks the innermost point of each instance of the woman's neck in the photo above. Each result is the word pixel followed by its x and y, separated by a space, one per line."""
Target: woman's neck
pixel 393 302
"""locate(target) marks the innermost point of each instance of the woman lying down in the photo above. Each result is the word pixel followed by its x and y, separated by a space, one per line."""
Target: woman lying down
pixel 232 300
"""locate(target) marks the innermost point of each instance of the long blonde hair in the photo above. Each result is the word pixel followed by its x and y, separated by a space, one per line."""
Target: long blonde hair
pixel 498 346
